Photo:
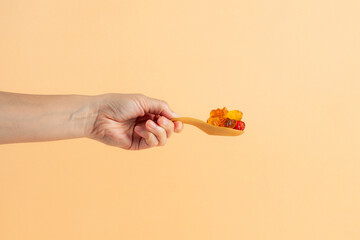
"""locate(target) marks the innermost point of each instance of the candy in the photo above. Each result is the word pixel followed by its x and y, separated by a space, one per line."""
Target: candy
pixel 218 112
pixel 234 114
pixel 216 121
pixel 229 123
pixel 240 125
pixel 224 118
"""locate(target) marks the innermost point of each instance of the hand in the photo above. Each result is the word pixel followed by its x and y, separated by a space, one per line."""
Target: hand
pixel 133 121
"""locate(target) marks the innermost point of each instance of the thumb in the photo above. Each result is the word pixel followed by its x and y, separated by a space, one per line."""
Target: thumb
pixel 158 107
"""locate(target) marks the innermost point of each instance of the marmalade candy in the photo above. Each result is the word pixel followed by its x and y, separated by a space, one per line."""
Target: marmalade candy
pixel 229 123
pixel 240 125
pixel 218 112
pixel 216 121
pixel 224 118
pixel 234 114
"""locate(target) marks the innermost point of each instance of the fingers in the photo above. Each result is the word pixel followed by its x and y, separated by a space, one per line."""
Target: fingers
pixel 159 132
pixel 159 107
pixel 153 134
pixel 150 138
pixel 178 126
pixel 166 124
pixel 157 120
pixel 169 126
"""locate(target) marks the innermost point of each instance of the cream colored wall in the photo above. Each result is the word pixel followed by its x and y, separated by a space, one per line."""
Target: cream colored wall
pixel 292 67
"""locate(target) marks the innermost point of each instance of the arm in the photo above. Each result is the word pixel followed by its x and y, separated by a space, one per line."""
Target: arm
pixel 31 118
pixel 116 119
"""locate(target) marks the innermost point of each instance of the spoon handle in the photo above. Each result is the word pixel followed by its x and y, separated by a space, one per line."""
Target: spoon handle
pixel 193 121
pixel 188 120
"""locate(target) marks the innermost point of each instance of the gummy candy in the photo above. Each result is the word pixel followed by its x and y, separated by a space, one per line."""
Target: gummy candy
pixel 240 125
pixel 224 118
pixel 234 114
pixel 229 123
pixel 218 112
pixel 216 121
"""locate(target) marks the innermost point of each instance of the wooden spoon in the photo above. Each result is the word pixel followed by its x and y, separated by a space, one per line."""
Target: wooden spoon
pixel 208 128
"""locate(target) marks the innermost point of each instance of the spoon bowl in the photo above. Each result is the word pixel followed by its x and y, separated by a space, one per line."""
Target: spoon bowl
pixel 208 128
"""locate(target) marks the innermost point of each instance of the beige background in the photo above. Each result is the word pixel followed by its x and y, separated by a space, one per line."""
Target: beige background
pixel 292 67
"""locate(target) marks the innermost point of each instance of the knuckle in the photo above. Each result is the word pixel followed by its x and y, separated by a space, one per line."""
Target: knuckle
pixel 163 142
pixel 140 95
pixel 162 132
pixel 153 142
pixel 162 136
pixel 170 125
pixel 164 103
pixel 169 132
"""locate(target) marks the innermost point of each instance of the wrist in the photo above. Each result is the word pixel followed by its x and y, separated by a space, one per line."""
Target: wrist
pixel 88 114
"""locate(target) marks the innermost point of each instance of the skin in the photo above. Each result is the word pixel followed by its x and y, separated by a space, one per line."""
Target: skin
pixel 128 121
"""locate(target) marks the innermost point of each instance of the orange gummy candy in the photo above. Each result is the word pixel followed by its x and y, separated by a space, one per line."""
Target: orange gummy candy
pixel 216 121
pixel 218 112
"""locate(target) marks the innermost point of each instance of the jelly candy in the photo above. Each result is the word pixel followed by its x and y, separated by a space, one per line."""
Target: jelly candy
pixel 216 121
pixel 240 125
pixel 224 118
pixel 234 114
pixel 229 123
pixel 218 112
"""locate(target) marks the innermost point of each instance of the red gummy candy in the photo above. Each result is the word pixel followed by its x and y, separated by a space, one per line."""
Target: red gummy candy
pixel 240 125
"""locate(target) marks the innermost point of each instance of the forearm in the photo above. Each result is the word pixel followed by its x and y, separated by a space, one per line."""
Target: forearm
pixel 30 118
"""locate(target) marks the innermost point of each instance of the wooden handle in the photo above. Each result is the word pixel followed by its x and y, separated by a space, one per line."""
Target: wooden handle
pixel 189 120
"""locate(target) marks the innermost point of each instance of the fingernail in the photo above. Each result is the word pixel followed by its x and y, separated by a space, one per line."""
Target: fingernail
pixel 175 115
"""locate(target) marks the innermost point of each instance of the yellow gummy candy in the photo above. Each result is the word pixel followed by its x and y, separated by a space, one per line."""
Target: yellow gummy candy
pixel 234 114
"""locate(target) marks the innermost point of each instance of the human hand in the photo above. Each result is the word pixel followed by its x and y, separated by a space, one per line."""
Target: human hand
pixel 133 121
